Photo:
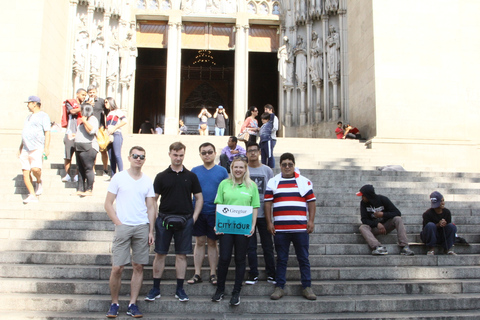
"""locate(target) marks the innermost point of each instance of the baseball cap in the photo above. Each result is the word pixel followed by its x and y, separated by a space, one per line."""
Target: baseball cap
pixel 33 99
pixel 220 107
pixel 436 198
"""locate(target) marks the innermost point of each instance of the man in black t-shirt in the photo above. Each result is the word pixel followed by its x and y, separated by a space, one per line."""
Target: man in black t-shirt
pixel 175 185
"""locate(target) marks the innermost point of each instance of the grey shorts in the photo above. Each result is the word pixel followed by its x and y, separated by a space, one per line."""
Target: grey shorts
pixel 183 238
pixel 69 147
pixel 134 237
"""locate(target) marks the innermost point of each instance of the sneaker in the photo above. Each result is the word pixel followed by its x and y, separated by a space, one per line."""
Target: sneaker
pixel 277 294
pixel 30 198
pixel 67 178
pixel 235 300
pixel 380 250
pixel 431 253
pixel 181 295
pixel 218 296
pixel 113 311
pixel 153 294
pixel 252 279
pixel 308 294
pixel 75 179
pixel 271 280
pixel 39 189
pixel 133 311
pixel 406 251
pixel 105 173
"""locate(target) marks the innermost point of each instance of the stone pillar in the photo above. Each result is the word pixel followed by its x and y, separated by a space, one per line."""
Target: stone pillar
pixel 343 62
pixel 172 95
pixel 326 95
pixel 103 74
pixel 288 104
pixel 309 107
pixel 69 88
pixel 90 11
pixel 303 115
pixel 318 106
pixel 240 95
pixel 335 109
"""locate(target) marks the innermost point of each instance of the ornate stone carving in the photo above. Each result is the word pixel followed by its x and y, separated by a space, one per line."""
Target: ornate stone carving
pixel 300 63
pixel 96 51
pixel 285 63
pixel 333 53
pixel 316 58
pixel 331 6
pixel 128 55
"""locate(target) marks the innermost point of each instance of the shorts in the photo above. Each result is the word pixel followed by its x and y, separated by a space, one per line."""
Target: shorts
pixel 69 147
pixel 31 159
pixel 183 238
pixel 126 237
pixel 204 226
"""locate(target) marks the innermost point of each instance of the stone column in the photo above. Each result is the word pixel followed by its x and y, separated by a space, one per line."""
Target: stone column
pixel 69 88
pixel 335 109
pixel 343 62
pixel 309 107
pixel 326 95
pixel 90 11
pixel 172 94
pixel 240 95
pixel 318 105
pixel 103 72
pixel 288 104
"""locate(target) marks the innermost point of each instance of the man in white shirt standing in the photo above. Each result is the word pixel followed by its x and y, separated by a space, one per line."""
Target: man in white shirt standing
pixel 134 220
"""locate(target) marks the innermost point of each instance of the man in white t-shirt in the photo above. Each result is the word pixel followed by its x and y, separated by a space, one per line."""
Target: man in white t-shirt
pixel 134 220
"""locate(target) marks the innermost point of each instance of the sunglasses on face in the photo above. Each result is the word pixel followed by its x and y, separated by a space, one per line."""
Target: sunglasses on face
pixel 288 165
pixel 136 156
pixel 209 152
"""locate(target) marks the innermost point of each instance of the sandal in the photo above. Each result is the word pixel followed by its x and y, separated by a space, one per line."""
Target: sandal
pixel 213 279
pixel 451 253
pixel 195 279
pixel 431 253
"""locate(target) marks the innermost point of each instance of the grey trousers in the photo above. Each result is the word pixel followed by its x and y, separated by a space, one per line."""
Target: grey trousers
pixel 395 223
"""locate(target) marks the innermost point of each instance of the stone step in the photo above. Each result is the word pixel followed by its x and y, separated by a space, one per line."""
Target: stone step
pixel 262 288
pixel 104 259
pixel 257 304
pixel 318 273
pixel 90 235
pixel 412 315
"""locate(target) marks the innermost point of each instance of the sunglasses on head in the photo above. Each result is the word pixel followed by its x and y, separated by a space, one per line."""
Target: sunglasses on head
pixel 241 157
pixel 209 152
pixel 136 156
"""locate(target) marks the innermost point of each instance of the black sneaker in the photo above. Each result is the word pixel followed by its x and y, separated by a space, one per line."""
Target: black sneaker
pixel 113 312
pixel 218 296
pixel 271 280
pixel 235 300
pixel 252 279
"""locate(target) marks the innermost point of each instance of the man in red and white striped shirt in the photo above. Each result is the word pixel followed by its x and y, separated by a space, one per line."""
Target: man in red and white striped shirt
pixel 293 201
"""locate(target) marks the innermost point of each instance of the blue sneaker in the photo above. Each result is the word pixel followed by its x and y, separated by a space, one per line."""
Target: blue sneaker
pixel 153 294
pixel 113 312
pixel 181 295
pixel 133 311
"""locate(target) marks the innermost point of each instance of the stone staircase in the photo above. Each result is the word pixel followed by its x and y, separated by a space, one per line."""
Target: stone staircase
pixel 55 254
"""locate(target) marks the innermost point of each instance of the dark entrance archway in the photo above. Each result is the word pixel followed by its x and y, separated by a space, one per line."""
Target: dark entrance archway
pixel 263 80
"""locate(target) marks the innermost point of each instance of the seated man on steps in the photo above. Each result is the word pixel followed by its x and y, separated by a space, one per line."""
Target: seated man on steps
pixel 438 228
pixel 380 216
pixel 231 150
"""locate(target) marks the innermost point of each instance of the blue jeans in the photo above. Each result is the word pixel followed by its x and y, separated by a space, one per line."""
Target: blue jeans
pixel 227 243
pixel 267 247
pixel 431 235
pixel 115 153
pixel 300 243
pixel 219 131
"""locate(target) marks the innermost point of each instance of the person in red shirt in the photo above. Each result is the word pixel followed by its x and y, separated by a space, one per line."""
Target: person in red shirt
pixel 339 130
pixel 351 132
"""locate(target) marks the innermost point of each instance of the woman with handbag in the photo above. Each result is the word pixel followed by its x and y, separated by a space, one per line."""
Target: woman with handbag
pixel 86 149
pixel 238 190
pixel 250 125
pixel 203 126
pixel 115 120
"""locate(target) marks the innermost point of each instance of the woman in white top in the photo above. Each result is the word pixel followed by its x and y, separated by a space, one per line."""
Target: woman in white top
pixel 115 120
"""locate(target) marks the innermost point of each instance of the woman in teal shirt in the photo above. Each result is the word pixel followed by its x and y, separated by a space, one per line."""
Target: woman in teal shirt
pixel 238 190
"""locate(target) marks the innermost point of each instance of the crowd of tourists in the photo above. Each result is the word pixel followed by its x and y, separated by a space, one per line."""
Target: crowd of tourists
pixel 282 206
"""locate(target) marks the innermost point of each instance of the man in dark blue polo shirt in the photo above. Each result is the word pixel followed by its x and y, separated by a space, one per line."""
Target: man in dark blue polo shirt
pixel 176 185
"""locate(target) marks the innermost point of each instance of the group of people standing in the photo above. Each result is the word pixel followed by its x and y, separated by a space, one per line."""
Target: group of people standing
pixel 83 118
pixel 282 205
